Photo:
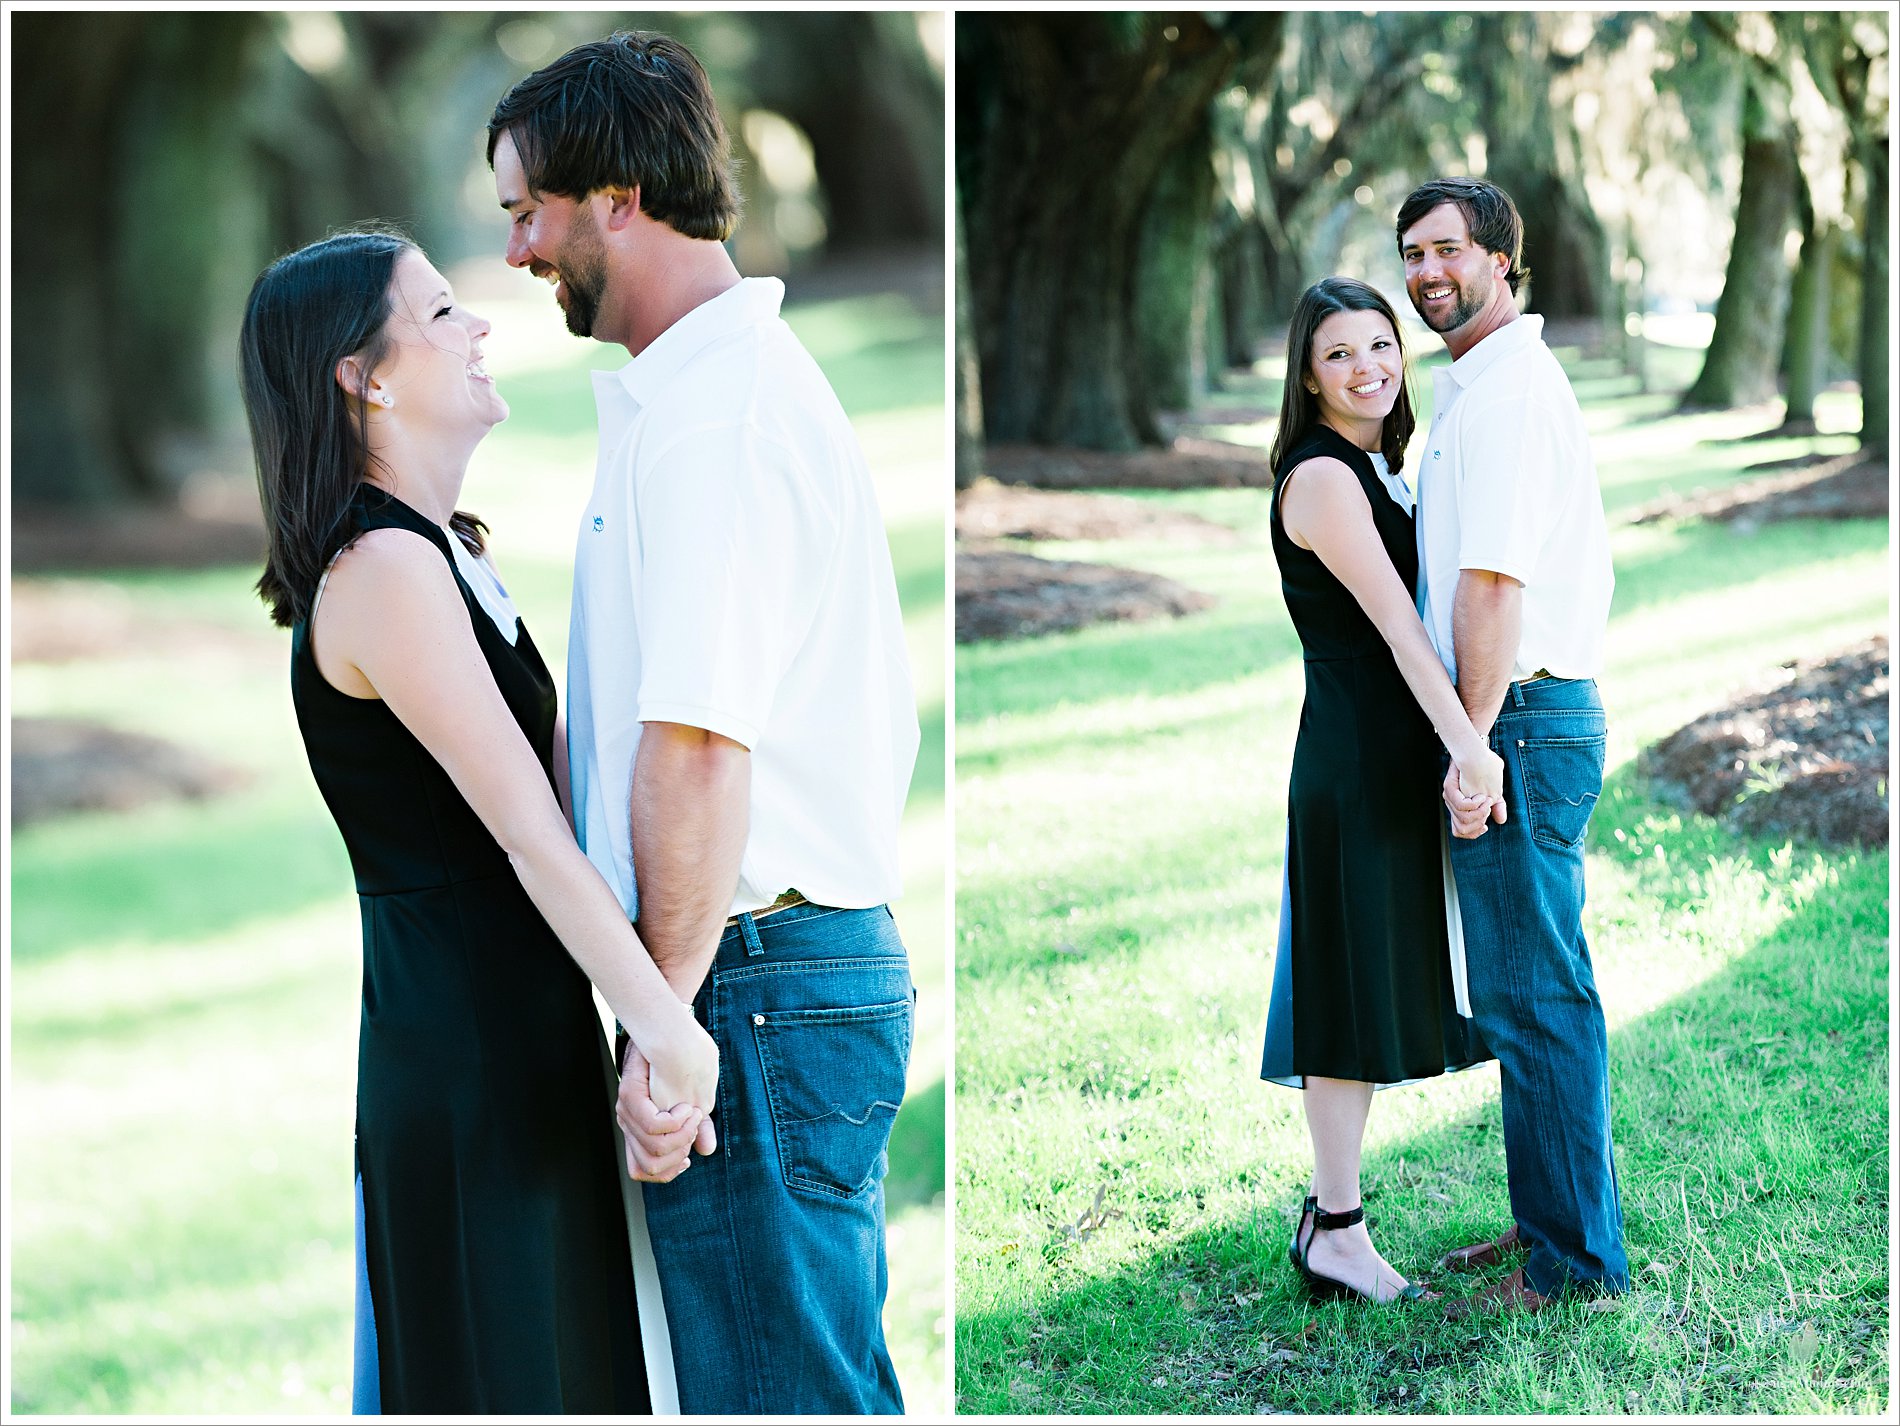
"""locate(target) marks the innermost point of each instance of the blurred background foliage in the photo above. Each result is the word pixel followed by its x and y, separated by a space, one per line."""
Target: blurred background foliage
pixel 1664 163
pixel 162 159
pixel 184 957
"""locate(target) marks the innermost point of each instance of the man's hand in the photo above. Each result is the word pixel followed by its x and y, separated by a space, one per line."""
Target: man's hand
pixel 660 1142
pixel 1470 814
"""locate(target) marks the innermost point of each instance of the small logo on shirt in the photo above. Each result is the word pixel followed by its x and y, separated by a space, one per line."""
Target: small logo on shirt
pixel 599 524
pixel 1435 455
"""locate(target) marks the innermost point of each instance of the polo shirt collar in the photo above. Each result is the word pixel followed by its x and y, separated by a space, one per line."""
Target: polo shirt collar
pixel 746 303
pixel 1507 341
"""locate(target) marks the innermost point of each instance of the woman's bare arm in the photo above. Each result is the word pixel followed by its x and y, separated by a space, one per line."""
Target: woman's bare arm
pixel 1324 509
pixel 392 612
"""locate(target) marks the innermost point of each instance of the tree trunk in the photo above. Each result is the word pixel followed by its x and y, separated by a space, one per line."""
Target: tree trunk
pixel 1745 349
pixel 1874 276
pixel 1174 252
pixel 969 383
pixel 1804 353
pixel 1065 124
pixel 1532 156
pixel 113 344
pixel 861 88
pixel 1244 318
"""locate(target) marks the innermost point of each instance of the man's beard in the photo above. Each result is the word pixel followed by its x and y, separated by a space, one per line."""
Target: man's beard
pixel 1464 307
pixel 583 265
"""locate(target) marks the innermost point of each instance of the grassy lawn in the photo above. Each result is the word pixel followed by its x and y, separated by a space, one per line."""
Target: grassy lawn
pixel 1125 1183
pixel 185 978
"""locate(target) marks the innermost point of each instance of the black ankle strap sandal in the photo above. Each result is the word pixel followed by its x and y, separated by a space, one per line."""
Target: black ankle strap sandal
pixel 1325 1288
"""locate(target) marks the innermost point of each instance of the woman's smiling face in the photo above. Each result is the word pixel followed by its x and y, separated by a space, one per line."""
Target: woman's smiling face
pixel 433 375
pixel 1355 370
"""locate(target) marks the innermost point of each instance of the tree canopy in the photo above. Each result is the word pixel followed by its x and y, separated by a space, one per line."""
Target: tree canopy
pixel 162 159
pixel 1146 194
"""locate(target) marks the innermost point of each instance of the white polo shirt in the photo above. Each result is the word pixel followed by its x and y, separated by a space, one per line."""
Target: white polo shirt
pixel 1507 483
pixel 732 573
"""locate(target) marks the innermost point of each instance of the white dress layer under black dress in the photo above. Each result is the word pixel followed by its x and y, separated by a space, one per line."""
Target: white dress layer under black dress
pixel 1362 983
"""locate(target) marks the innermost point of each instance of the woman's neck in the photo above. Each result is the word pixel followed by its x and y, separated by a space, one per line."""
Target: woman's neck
pixel 428 481
pixel 1368 437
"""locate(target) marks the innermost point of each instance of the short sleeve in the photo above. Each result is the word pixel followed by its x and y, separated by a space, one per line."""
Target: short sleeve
pixel 734 548
pixel 1510 486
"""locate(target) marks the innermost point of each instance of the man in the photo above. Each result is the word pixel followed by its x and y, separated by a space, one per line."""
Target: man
pixel 1515 565
pixel 741 730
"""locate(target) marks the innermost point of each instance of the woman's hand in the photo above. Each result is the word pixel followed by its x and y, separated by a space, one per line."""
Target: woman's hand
pixel 684 1058
pixel 1474 790
pixel 666 1097
pixel 1480 771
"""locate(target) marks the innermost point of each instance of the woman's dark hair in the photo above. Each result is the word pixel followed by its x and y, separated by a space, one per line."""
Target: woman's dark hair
pixel 1299 408
pixel 1490 216
pixel 307 311
pixel 631 111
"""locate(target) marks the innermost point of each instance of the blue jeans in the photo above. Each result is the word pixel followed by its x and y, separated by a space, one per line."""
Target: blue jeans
pixel 771 1252
pixel 1520 888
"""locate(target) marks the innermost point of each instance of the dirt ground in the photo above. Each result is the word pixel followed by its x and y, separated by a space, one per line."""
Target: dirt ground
pixel 1805 755
pixel 63 765
pixel 1816 487
pixel 1187 463
pixel 1005 594
pixel 76 541
pixel 990 511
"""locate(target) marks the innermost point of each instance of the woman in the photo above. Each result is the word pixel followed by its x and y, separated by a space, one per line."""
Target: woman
pixel 491 1224
pixel 1363 986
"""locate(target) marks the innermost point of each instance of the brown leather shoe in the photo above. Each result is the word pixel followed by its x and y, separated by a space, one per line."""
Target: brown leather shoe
pixel 1514 1294
pixel 1482 1255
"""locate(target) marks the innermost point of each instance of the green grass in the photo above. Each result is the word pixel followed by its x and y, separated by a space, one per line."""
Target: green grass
pixel 1120 825
pixel 185 977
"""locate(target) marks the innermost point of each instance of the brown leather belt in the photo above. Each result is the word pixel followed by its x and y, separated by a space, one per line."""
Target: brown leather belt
pixel 786 900
pixel 1541 673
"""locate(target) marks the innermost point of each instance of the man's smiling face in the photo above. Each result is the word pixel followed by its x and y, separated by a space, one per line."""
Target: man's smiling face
pixel 557 239
pixel 1449 278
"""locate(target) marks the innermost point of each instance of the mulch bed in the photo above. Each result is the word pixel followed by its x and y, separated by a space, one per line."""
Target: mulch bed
pixel 1805 756
pixel 63 765
pixel 118 538
pixel 989 511
pixel 1004 594
pixel 1187 463
pixel 1816 487
pixel 67 620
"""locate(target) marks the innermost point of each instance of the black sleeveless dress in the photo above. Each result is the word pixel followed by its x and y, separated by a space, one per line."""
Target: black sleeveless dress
pixel 1362 978
pixel 495 1233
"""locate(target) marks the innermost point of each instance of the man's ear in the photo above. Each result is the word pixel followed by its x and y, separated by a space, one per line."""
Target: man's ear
pixel 622 206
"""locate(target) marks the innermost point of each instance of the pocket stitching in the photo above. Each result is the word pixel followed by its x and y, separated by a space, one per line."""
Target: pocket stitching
pixel 1540 830
pixel 781 1120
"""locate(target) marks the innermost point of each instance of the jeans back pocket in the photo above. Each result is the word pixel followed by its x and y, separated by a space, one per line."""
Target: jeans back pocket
pixel 834 1080
pixel 1563 777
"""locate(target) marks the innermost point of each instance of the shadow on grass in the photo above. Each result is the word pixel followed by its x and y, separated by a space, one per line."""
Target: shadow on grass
pixel 917 1150
pixel 1703 557
pixel 1114 738
pixel 170 874
pixel 1122 918
pixel 1033 675
pixel 1738 1108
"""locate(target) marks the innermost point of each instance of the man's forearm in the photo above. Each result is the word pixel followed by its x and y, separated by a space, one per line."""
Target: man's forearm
pixel 691 792
pixel 1486 619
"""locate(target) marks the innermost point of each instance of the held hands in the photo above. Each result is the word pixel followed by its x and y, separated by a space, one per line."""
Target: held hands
pixel 678 1069
pixel 1482 772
